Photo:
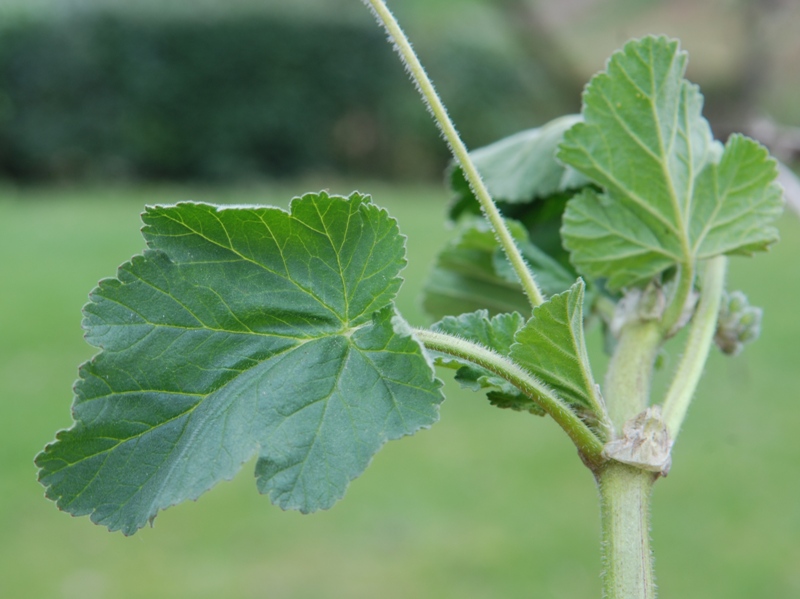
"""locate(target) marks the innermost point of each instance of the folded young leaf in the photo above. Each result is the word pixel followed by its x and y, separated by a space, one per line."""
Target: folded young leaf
pixel 672 195
pixel 552 347
pixel 464 277
pixel 473 273
pixel 241 332
pixel 497 334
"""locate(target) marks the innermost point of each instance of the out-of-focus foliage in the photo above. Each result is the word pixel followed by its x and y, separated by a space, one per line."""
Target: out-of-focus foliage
pixel 112 95
pixel 89 105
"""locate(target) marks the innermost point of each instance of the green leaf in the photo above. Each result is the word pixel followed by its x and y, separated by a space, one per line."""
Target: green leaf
pixel 736 201
pixel 528 185
pixel 543 218
pixel 495 333
pixel 672 195
pixel 608 240
pixel 552 347
pixel 241 332
pixel 473 273
pixel 464 277
pixel 519 168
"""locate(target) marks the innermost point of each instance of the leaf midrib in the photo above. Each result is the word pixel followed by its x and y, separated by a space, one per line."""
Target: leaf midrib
pixel 681 216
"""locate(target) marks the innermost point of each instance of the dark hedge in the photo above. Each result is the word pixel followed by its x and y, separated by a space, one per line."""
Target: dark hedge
pixel 102 97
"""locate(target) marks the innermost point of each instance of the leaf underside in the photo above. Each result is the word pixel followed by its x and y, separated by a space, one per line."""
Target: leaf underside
pixel 241 332
pixel 672 195
pixel 519 168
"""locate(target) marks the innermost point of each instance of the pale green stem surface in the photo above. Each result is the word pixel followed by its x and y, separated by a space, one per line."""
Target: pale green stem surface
pixel 590 446
pixel 625 490
pixel 457 147
pixel 701 338
pixel 627 388
pixel 678 301
pixel 625 514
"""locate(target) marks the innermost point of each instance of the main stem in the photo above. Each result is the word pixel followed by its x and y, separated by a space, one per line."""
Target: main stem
pixel 624 490
pixel 625 516
pixel 457 147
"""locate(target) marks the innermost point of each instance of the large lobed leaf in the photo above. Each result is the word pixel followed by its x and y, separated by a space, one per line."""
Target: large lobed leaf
pixel 672 194
pixel 242 331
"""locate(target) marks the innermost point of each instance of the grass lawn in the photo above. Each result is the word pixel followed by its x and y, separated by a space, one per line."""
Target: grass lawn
pixel 487 504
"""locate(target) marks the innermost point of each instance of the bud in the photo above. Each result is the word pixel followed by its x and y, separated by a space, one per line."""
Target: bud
pixel 738 323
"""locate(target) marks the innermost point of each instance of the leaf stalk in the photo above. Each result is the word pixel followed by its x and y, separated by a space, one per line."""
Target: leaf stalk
pixel 698 345
pixel 587 442
pixel 683 290
pixel 457 147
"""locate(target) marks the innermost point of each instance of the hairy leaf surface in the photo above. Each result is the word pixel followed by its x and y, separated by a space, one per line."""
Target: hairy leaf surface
pixel 241 332
pixel 551 346
pixel 672 193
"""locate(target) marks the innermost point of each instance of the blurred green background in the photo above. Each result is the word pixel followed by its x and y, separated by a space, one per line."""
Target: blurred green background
pixel 219 90
pixel 97 120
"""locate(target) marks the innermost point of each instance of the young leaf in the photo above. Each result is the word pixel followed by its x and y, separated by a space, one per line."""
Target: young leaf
pixel 736 200
pixel 672 194
pixel 520 168
pixel 496 334
pixel 473 273
pixel 551 346
pixel 528 184
pixel 464 277
pixel 242 331
pixel 551 276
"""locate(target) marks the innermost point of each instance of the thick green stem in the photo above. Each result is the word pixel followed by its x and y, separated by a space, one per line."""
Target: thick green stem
pixel 701 337
pixel 625 512
pixel 587 442
pixel 457 147
pixel 627 389
pixel 625 490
